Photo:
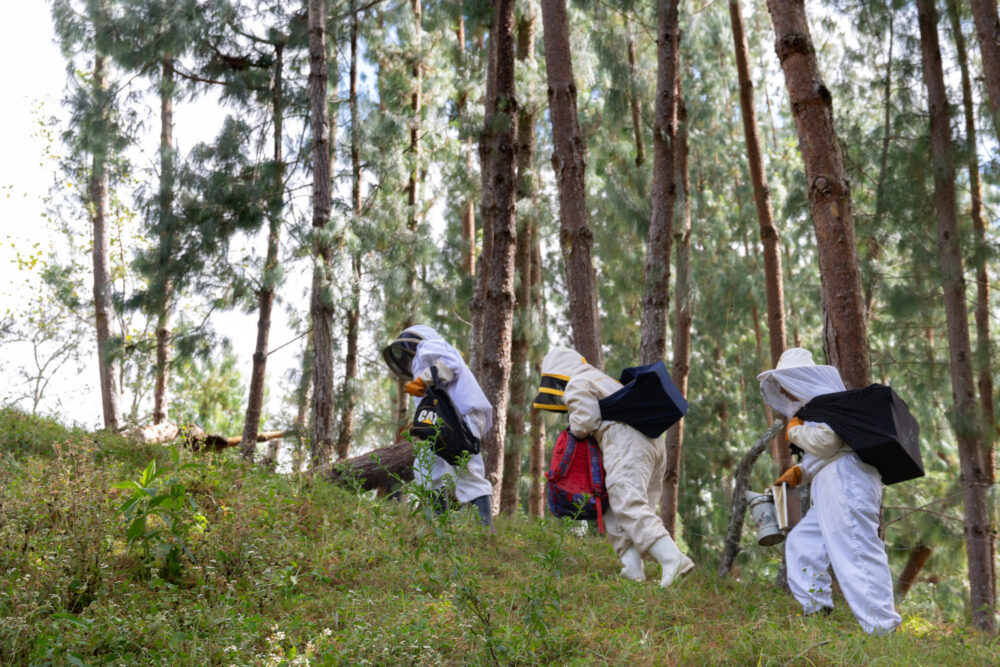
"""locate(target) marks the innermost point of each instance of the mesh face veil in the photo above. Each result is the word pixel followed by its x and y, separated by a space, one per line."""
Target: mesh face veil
pixel 550 393
pixel 398 355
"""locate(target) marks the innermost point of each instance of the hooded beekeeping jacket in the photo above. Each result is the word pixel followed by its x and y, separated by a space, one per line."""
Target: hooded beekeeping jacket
pixel 471 403
pixel 634 464
pixel 841 528
pixel 802 380
pixel 465 392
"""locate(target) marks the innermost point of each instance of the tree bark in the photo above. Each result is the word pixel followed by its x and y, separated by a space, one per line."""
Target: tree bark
pixel 322 304
pixel 682 323
pixel 984 357
pixel 498 314
pixel 536 463
pixel 103 306
pixel 770 238
pixel 258 373
pixel 521 335
pixel 374 470
pixel 656 289
pixel 914 564
pixel 979 533
pixel 568 161
pixel 633 95
pixel 478 303
pixel 162 381
pixel 348 394
pixel 303 395
pixel 987 20
pixel 469 206
pixel 984 360
pixel 845 337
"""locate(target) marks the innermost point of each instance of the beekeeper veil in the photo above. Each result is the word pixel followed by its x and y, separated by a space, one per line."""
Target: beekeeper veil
pixel 796 380
pixel 557 367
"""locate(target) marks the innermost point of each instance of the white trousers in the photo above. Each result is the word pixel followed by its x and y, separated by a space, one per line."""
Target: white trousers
pixel 470 482
pixel 841 529
pixel 634 469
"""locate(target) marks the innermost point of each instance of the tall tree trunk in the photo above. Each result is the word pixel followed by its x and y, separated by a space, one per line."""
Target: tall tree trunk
pixel 883 173
pixel 984 360
pixel 265 295
pixel 322 305
pixel 682 323
pixel 348 398
pixel 103 306
pixel 478 303
pixel 845 337
pixel 568 161
pixel 780 452
pixel 303 395
pixel 498 313
pixel 521 336
pixel 536 463
pixel 633 95
pixel 469 205
pixel 979 533
pixel 987 20
pixel 656 290
pixel 161 383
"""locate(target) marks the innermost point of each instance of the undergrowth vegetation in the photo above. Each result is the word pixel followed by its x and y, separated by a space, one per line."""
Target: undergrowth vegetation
pixel 237 566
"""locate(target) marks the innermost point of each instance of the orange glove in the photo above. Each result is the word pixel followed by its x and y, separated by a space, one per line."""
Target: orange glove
pixel 415 388
pixel 793 422
pixel 792 477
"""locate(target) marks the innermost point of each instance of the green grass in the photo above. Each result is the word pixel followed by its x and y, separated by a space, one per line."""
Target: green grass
pixel 291 571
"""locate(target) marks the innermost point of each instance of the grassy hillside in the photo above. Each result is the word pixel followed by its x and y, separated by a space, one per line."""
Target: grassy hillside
pixel 251 568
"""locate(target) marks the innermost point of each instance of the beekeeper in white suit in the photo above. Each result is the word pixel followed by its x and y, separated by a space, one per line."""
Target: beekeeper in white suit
pixel 841 528
pixel 411 356
pixel 634 464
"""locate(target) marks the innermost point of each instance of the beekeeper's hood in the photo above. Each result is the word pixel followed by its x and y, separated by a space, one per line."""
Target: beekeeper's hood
pixel 558 366
pixel 398 354
pixel 800 378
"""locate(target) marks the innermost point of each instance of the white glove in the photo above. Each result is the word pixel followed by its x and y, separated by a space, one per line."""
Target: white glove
pixel 443 372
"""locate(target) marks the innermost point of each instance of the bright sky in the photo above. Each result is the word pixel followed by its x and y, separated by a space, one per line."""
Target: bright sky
pixel 36 75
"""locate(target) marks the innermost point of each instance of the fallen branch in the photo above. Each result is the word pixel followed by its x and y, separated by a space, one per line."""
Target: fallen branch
pixel 735 530
pixel 376 469
pixel 207 441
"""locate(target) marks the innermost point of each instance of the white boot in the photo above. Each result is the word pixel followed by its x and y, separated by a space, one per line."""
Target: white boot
pixel 670 558
pixel 633 565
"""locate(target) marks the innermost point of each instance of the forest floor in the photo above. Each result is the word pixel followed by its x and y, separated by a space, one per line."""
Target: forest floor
pixel 233 565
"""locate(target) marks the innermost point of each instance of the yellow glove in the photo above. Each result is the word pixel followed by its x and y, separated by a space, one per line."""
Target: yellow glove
pixel 792 423
pixel 415 388
pixel 792 477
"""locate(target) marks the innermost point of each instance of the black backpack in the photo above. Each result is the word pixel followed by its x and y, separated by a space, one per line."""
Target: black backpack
pixel 437 421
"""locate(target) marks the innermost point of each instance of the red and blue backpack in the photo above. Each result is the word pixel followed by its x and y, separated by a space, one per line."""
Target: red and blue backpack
pixel 575 477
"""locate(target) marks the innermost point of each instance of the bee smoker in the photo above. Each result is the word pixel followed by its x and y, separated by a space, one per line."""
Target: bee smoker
pixel 765 515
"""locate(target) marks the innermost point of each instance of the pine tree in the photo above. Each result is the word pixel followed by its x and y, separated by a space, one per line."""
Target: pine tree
pixel 984 13
pixel 568 161
pixel 769 236
pixel 845 337
pixel 322 305
pixel 656 275
pixel 979 533
pixel 499 200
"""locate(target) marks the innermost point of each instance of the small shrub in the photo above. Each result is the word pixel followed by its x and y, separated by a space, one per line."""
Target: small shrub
pixel 161 517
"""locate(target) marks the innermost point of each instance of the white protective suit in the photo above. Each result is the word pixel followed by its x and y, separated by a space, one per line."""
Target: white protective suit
pixel 634 465
pixel 471 403
pixel 841 528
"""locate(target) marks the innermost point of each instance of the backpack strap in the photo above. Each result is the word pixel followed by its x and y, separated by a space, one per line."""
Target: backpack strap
pixel 594 454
